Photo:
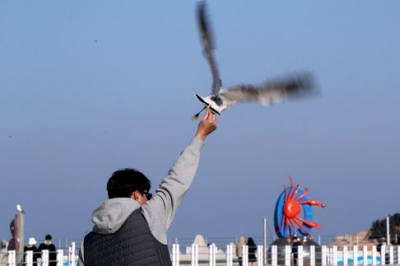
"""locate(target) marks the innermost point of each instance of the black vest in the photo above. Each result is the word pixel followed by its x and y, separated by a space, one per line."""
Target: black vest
pixel 132 245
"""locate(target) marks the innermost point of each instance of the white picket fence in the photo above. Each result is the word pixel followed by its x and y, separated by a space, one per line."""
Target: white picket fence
pixel 326 256
pixel 212 256
pixel 28 261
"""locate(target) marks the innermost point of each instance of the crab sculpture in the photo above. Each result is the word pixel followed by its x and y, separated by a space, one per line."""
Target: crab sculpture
pixel 291 205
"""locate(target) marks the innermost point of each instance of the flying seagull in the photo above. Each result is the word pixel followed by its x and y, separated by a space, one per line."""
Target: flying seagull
pixel 266 93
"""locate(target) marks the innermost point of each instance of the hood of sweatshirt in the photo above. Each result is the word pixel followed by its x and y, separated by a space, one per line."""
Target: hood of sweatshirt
pixel 110 216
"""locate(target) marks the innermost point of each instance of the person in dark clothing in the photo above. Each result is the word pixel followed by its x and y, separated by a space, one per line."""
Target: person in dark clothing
pixel 252 251
pixel 382 249
pixel 47 245
pixel 32 247
pixel 295 249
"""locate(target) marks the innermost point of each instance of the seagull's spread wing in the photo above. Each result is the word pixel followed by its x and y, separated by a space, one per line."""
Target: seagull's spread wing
pixel 208 45
pixel 268 92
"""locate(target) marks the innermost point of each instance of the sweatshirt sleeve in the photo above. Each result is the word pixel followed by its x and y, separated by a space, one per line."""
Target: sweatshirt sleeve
pixel 160 210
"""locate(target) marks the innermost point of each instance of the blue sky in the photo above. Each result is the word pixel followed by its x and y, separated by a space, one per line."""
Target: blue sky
pixel 89 87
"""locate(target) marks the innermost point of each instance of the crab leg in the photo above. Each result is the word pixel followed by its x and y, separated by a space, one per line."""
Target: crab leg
pixel 282 223
pixel 286 194
pixel 302 195
pixel 302 227
pixel 287 227
pixel 295 192
pixel 313 202
pixel 291 188
pixel 293 225
pixel 309 223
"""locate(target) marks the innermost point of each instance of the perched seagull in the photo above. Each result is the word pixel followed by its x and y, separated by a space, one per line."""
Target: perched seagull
pixel 266 93
pixel 19 208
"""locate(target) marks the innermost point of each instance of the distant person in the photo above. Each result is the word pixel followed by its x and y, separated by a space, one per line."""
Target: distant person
pixel 383 250
pixel 381 245
pixel 12 245
pixel 3 252
pixel 239 249
pixel 252 249
pixel 31 246
pixel 131 226
pixel 295 249
pixel 47 245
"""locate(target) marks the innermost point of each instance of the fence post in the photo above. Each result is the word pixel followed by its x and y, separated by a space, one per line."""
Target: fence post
pixel 11 258
pixel 229 255
pixel 288 253
pixel 390 255
pixel 212 254
pixel 245 255
pixel 29 258
pixel 365 255
pixel 374 255
pixel 260 255
pixel 345 256
pixel 71 254
pixel 195 254
pixel 355 255
pixel 328 255
pixel 274 255
pixel 45 257
pixel 60 257
pixel 334 256
pixel 383 255
pixel 323 255
pixel 312 255
pixel 299 255
pixel 175 254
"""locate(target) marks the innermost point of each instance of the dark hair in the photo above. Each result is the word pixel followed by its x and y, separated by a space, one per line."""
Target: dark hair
pixel 124 182
pixel 250 242
pixel 48 237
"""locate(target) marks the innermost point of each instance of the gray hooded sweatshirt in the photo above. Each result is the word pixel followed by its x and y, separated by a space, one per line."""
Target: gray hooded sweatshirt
pixel 160 210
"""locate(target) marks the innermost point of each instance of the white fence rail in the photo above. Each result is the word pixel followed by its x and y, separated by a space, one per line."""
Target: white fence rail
pixel 276 255
pixel 307 256
pixel 9 258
